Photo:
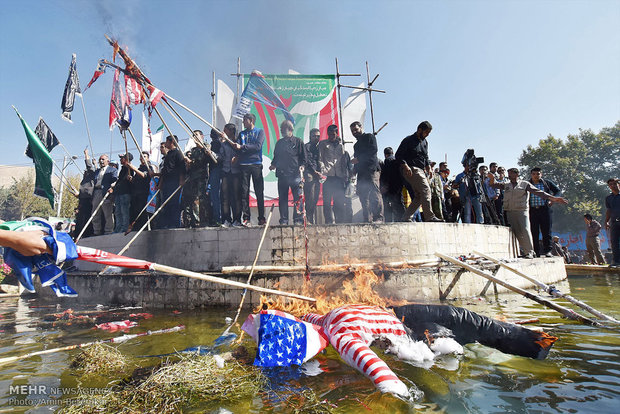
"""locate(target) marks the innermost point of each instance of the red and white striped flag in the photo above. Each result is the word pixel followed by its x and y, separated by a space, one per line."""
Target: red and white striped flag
pixel 99 256
pixel 352 328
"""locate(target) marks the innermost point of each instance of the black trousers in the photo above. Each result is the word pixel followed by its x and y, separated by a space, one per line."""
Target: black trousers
pixel 255 172
pixel 614 241
pixel 230 194
pixel 284 183
pixel 311 193
pixel 393 207
pixel 84 211
pixel 540 224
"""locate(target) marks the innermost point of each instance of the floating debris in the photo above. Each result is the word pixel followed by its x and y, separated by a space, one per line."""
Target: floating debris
pixel 191 382
pixel 101 359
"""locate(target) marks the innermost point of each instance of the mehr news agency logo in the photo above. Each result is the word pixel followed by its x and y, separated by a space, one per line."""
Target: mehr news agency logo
pixel 34 395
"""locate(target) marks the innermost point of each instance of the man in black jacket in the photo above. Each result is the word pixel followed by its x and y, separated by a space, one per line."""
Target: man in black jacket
pixel 289 157
pixel 312 175
pixel 105 177
pixel 541 214
pixel 366 166
pixel 412 155
pixel 391 187
pixel 85 198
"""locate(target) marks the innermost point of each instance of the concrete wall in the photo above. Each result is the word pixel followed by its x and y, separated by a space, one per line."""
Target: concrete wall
pixel 210 249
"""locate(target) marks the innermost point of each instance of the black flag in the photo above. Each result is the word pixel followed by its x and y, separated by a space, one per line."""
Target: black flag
pixel 46 136
pixel 72 88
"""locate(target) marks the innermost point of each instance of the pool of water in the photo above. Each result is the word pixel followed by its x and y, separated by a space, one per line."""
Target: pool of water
pixel 581 373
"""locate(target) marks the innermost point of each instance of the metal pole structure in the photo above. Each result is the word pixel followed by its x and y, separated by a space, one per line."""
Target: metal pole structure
pixel 369 83
pixel 213 105
pixel 340 85
pixel 90 141
pixel 238 75
pixel 62 187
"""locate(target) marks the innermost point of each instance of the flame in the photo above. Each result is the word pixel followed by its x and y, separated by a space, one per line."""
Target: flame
pixel 358 290
pixel 545 341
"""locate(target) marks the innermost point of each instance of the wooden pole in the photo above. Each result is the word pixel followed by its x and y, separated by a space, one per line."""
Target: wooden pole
pixel 118 339
pixel 260 245
pixel 569 313
pixel 369 83
pixel 90 141
pixel 92 216
pixel 214 279
pixel 550 289
pixel 330 267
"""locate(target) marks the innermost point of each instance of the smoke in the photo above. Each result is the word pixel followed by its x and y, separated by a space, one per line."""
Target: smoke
pixel 120 21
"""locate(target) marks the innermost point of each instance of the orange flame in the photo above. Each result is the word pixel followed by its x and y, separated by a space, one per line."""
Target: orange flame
pixel 358 290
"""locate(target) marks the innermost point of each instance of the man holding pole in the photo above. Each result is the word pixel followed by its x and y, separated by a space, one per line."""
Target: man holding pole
pixel 85 197
pixel 105 177
pixel 194 201
pixel 516 202
pixel 122 194
pixel 172 175
pixel 541 213
pixel 289 157
pixel 334 169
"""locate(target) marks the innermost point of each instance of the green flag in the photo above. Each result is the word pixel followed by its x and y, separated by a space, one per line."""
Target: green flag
pixel 42 163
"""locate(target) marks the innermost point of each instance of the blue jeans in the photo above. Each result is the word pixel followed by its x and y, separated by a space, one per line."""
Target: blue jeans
pixel 215 184
pixel 468 202
pixel 121 212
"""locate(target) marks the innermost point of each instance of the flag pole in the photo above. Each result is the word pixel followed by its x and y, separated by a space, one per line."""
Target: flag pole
pixel 213 105
pixel 94 213
pixel 90 141
pixel 148 201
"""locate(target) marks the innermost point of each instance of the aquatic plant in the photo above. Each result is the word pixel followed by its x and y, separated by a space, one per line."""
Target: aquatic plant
pixel 101 360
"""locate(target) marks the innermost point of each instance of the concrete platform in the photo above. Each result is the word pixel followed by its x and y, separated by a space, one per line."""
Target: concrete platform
pixel 210 249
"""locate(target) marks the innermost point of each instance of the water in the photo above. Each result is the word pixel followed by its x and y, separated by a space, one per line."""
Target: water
pixel 581 373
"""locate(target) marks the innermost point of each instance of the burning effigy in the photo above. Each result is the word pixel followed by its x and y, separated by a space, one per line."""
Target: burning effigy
pixel 414 333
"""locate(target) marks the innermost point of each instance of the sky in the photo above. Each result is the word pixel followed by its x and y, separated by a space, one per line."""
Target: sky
pixel 495 76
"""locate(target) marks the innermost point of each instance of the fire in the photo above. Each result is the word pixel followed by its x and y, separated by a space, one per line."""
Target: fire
pixel 358 290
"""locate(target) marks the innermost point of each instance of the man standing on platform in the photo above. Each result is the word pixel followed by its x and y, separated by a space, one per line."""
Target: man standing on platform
pixel 140 185
pixel 516 200
pixel 612 220
pixel 105 177
pixel 250 147
pixel 541 213
pixel 172 175
pixel 85 197
pixel 312 175
pixel 333 165
pixel 289 157
pixel 412 155
pixel 391 187
pixel 122 194
pixel 231 179
pixel 366 166
pixel 196 209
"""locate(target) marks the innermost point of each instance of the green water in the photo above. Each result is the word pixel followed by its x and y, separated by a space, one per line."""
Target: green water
pixel 580 375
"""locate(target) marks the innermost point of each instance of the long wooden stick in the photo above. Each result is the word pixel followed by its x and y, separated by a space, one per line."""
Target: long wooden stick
pixel 92 216
pixel 260 245
pixel 208 278
pixel 118 339
pixel 569 313
pixel 550 289
pixel 330 267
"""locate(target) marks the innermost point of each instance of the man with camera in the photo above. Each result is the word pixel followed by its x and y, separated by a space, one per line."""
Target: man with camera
pixel 516 202
pixel 415 167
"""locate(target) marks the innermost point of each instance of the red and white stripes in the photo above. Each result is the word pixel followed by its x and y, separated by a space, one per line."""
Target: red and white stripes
pixel 351 329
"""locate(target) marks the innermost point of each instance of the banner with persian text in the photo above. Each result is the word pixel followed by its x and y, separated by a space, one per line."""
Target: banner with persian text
pixel 312 100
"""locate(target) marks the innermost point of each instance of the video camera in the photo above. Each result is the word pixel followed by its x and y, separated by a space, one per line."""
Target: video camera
pixel 470 159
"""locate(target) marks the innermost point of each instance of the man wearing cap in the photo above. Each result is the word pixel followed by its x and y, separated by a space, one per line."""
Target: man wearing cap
pixel 412 155
pixel 105 177
pixel 612 219
pixel 122 193
pixel 516 202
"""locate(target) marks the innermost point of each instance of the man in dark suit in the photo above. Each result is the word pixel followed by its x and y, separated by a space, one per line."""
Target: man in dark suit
pixel 105 177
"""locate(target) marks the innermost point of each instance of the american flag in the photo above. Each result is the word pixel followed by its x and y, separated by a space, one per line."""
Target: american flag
pixel 351 329
pixel 102 257
pixel 282 339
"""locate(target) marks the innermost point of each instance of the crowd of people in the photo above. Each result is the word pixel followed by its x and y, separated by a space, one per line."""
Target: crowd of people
pixel 210 185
